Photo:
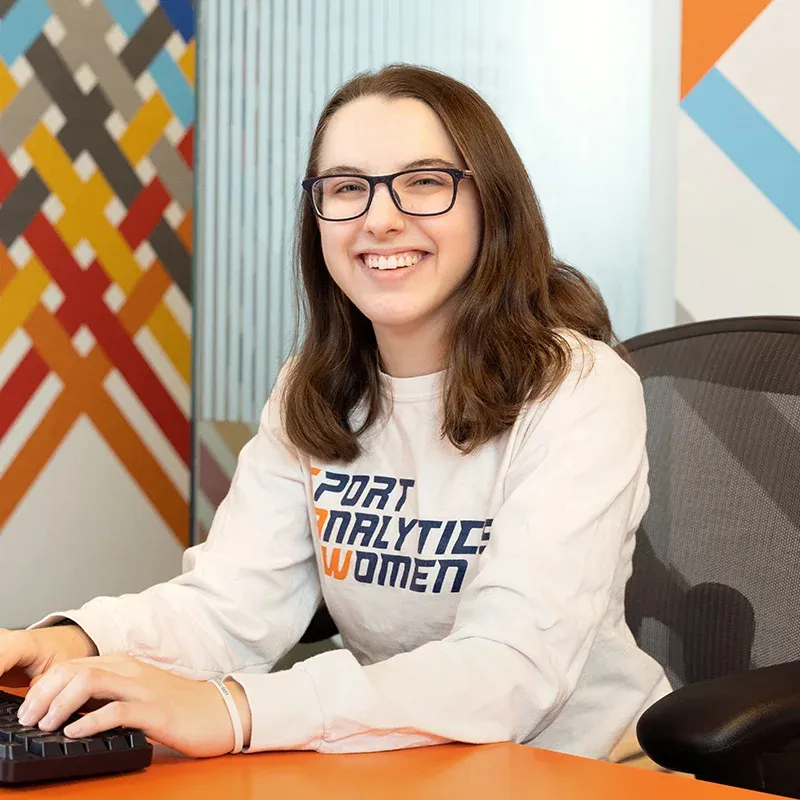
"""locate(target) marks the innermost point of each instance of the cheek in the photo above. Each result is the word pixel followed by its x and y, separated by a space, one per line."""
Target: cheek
pixel 335 247
pixel 459 242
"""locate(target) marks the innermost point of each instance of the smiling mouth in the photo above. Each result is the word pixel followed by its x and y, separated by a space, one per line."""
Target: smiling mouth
pixel 393 262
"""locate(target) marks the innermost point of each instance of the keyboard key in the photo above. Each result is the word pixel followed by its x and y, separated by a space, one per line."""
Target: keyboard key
pixel 22 736
pixel 136 739
pixel 115 742
pixel 93 745
pixel 45 746
pixel 14 752
pixel 72 747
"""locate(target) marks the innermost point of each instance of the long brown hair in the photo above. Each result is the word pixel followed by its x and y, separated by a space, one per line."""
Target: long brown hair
pixel 504 347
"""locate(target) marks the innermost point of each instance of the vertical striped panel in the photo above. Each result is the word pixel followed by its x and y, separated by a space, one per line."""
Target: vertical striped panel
pixel 221 207
pixel 270 65
pixel 235 188
pixel 264 100
pixel 279 148
pixel 249 230
pixel 207 186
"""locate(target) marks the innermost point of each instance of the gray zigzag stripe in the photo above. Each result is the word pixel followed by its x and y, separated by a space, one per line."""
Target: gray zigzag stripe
pixel 146 43
pixel 22 114
pixel 85 44
pixel 84 129
pixel 173 172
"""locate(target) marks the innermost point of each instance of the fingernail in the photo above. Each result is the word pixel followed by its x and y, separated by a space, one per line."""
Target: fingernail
pixel 26 718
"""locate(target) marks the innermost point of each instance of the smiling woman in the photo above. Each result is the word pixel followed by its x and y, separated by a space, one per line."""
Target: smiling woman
pixel 458 201
pixel 454 461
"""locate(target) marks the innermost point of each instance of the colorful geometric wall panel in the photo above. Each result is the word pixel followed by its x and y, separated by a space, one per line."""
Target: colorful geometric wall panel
pixel 738 237
pixel 96 189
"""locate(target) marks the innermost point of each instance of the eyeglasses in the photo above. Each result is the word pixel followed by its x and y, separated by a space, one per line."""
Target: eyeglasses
pixel 418 192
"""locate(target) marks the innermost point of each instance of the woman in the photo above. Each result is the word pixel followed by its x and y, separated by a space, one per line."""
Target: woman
pixel 454 461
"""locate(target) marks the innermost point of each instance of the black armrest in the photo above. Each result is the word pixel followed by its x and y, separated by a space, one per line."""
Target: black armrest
pixel 712 726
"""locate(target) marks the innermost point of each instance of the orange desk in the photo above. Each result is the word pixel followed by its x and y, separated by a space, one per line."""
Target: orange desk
pixel 463 772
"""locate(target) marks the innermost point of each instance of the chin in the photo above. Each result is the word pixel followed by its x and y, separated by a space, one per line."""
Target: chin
pixel 399 318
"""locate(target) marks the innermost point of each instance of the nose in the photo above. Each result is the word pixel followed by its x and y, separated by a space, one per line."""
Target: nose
pixel 383 216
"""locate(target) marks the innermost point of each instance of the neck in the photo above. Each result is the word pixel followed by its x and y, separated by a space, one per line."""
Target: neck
pixel 411 352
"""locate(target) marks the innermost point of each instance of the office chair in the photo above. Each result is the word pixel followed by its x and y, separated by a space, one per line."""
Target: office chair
pixel 715 590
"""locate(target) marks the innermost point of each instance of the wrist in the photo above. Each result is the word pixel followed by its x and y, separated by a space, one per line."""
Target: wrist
pixel 82 640
pixel 74 639
pixel 243 707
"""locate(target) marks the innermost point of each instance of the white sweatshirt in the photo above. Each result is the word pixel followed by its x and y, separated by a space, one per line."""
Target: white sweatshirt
pixel 480 597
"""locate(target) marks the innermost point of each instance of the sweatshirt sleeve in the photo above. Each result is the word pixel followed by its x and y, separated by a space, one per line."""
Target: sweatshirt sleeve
pixel 575 491
pixel 245 596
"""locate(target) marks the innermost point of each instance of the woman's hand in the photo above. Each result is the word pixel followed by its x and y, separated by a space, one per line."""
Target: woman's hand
pixel 186 715
pixel 25 655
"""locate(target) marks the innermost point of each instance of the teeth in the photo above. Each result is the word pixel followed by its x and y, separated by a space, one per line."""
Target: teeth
pixel 393 261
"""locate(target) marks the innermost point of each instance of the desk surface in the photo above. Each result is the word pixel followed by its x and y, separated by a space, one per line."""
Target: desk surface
pixel 494 771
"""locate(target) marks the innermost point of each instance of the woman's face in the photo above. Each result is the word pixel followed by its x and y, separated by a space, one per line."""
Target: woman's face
pixel 376 136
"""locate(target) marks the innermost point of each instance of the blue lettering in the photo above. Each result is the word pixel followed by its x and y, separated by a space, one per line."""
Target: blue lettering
pixel 381 493
pixel 425 527
pixel 365 524
pixel 394 565
pixel 343 518
pixel 366 562
pixel 461 548
pixel 350 497
pixel 487 534
pixel 406 526
pixel 407 484
pixel 339 482
pixel 380 542
pixel 420 564
pixel 444 541
pixel 460 565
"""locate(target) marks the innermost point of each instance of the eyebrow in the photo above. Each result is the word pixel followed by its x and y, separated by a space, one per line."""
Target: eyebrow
pixel 420 163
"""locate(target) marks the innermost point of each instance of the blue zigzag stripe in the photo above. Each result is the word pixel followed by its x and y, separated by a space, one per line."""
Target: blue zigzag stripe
pixel 761 152
pixel 21 26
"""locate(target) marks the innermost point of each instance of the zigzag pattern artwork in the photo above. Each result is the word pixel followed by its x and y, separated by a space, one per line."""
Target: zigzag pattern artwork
pixel 96 188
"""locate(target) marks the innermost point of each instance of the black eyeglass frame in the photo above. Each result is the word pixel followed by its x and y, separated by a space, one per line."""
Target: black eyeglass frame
pixel 457 175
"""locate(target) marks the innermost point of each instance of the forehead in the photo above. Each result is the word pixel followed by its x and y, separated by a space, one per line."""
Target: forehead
pixel 379 136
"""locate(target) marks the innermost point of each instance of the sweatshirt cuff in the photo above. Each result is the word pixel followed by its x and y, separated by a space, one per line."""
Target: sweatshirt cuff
pixel 285 710
pixel 96 624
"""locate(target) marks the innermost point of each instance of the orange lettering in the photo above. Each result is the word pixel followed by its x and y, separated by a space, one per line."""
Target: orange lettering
pixel 322 516
pixel 334 569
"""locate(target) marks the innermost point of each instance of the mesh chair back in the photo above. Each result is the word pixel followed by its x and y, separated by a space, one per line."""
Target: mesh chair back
pixel 716 572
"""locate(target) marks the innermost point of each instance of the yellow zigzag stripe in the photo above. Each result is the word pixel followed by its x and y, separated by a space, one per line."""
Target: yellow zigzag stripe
pixel 21 296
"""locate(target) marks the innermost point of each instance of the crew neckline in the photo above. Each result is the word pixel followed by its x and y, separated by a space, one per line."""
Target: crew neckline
pixel 420 387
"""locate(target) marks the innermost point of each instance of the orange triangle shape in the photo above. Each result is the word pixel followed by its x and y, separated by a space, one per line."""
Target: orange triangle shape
pixel 710 27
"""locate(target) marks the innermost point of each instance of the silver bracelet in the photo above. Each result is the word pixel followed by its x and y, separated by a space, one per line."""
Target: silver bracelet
pixel 236 721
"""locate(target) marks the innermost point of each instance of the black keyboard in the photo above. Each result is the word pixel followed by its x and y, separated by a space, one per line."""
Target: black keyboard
pixel 30 754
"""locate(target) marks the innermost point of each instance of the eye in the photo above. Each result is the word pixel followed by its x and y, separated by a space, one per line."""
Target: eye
pixel 427 180
pixel 347 187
